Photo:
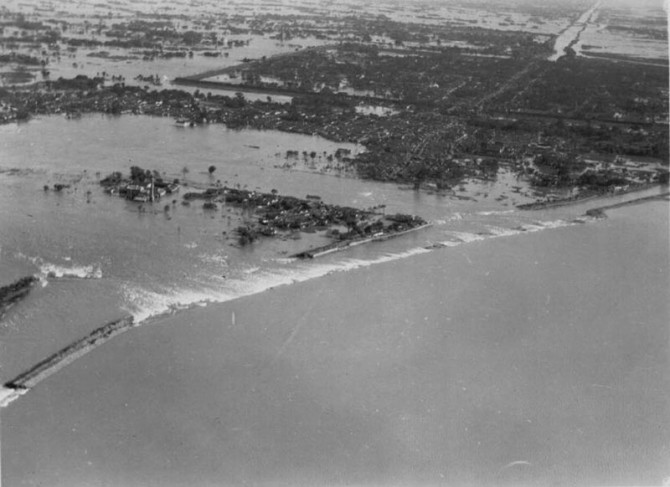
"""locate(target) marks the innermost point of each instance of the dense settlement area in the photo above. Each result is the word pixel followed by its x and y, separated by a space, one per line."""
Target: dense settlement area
pixel 435 102
pixel 273 213
pixel 456 101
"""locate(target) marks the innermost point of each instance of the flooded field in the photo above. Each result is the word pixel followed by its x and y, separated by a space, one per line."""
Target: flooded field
pixel 285 371
pixel 234 34
pixel 494 345
pixel 636 34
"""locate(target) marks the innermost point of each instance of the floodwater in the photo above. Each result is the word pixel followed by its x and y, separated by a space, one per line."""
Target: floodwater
pixel 572 32
pixel 634 33
pixel 498 346
pixel 624 30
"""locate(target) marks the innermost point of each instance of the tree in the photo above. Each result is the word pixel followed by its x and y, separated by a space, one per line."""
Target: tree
pixel 137 174
pixel 240 99
pixel 211 170
pixel 191 38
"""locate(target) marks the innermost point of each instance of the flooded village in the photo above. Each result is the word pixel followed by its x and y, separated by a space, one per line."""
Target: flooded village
pixel 462 99
pixel 269 213
pixel 415 243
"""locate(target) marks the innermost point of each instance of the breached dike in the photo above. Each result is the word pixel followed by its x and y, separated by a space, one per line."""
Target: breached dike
pixel 461 238
pixel 600 212
pixel 8 395
pixel 60 271
pixel 163 305
pixel 346 244
pixel 577 200
pixel 263 281
pixel 77 272
pixel 147 305
pixel 12 294
pixel 545 205
pixel 52 364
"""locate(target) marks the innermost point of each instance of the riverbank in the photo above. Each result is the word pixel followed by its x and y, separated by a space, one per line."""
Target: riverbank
pixel 348 243
pixel 52 364
pixel 583 198
pixel 445 362
pixel 15 292
pixel 601 211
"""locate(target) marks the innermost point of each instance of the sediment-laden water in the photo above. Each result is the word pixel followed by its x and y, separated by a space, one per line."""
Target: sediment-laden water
pixel 438 356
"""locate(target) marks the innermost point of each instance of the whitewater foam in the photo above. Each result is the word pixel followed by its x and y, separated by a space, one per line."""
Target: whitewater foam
pixel 504 232
pixel 145 304
pixel 81 272
pixel 467 237
pixel 7 395
pixel 284 260
pixel 496 212
pixel 214 259
pixel 74 271
pixel 555 224
pixel 460 238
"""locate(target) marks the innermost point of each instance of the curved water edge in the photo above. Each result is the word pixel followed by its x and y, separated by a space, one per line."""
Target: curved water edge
pixel 147 306
pixel 204 369
pixel 163 306
pixel 137 262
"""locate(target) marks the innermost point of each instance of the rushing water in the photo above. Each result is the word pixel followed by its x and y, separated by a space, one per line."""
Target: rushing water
pixel 149 260
pixel 440 355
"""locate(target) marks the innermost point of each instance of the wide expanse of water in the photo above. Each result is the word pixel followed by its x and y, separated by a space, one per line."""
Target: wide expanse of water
pixel 498 346
pixel 93 248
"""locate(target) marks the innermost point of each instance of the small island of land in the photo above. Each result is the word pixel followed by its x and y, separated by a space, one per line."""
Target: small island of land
pixel 271 214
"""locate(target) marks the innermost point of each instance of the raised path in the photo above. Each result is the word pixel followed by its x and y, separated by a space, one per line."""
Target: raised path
pixel 570 35
pixel 52 364
pixel 345 244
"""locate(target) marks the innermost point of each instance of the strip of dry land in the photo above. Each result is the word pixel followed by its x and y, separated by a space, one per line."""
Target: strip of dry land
pixel 600 212
pixel 15 292
pixel 52 364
